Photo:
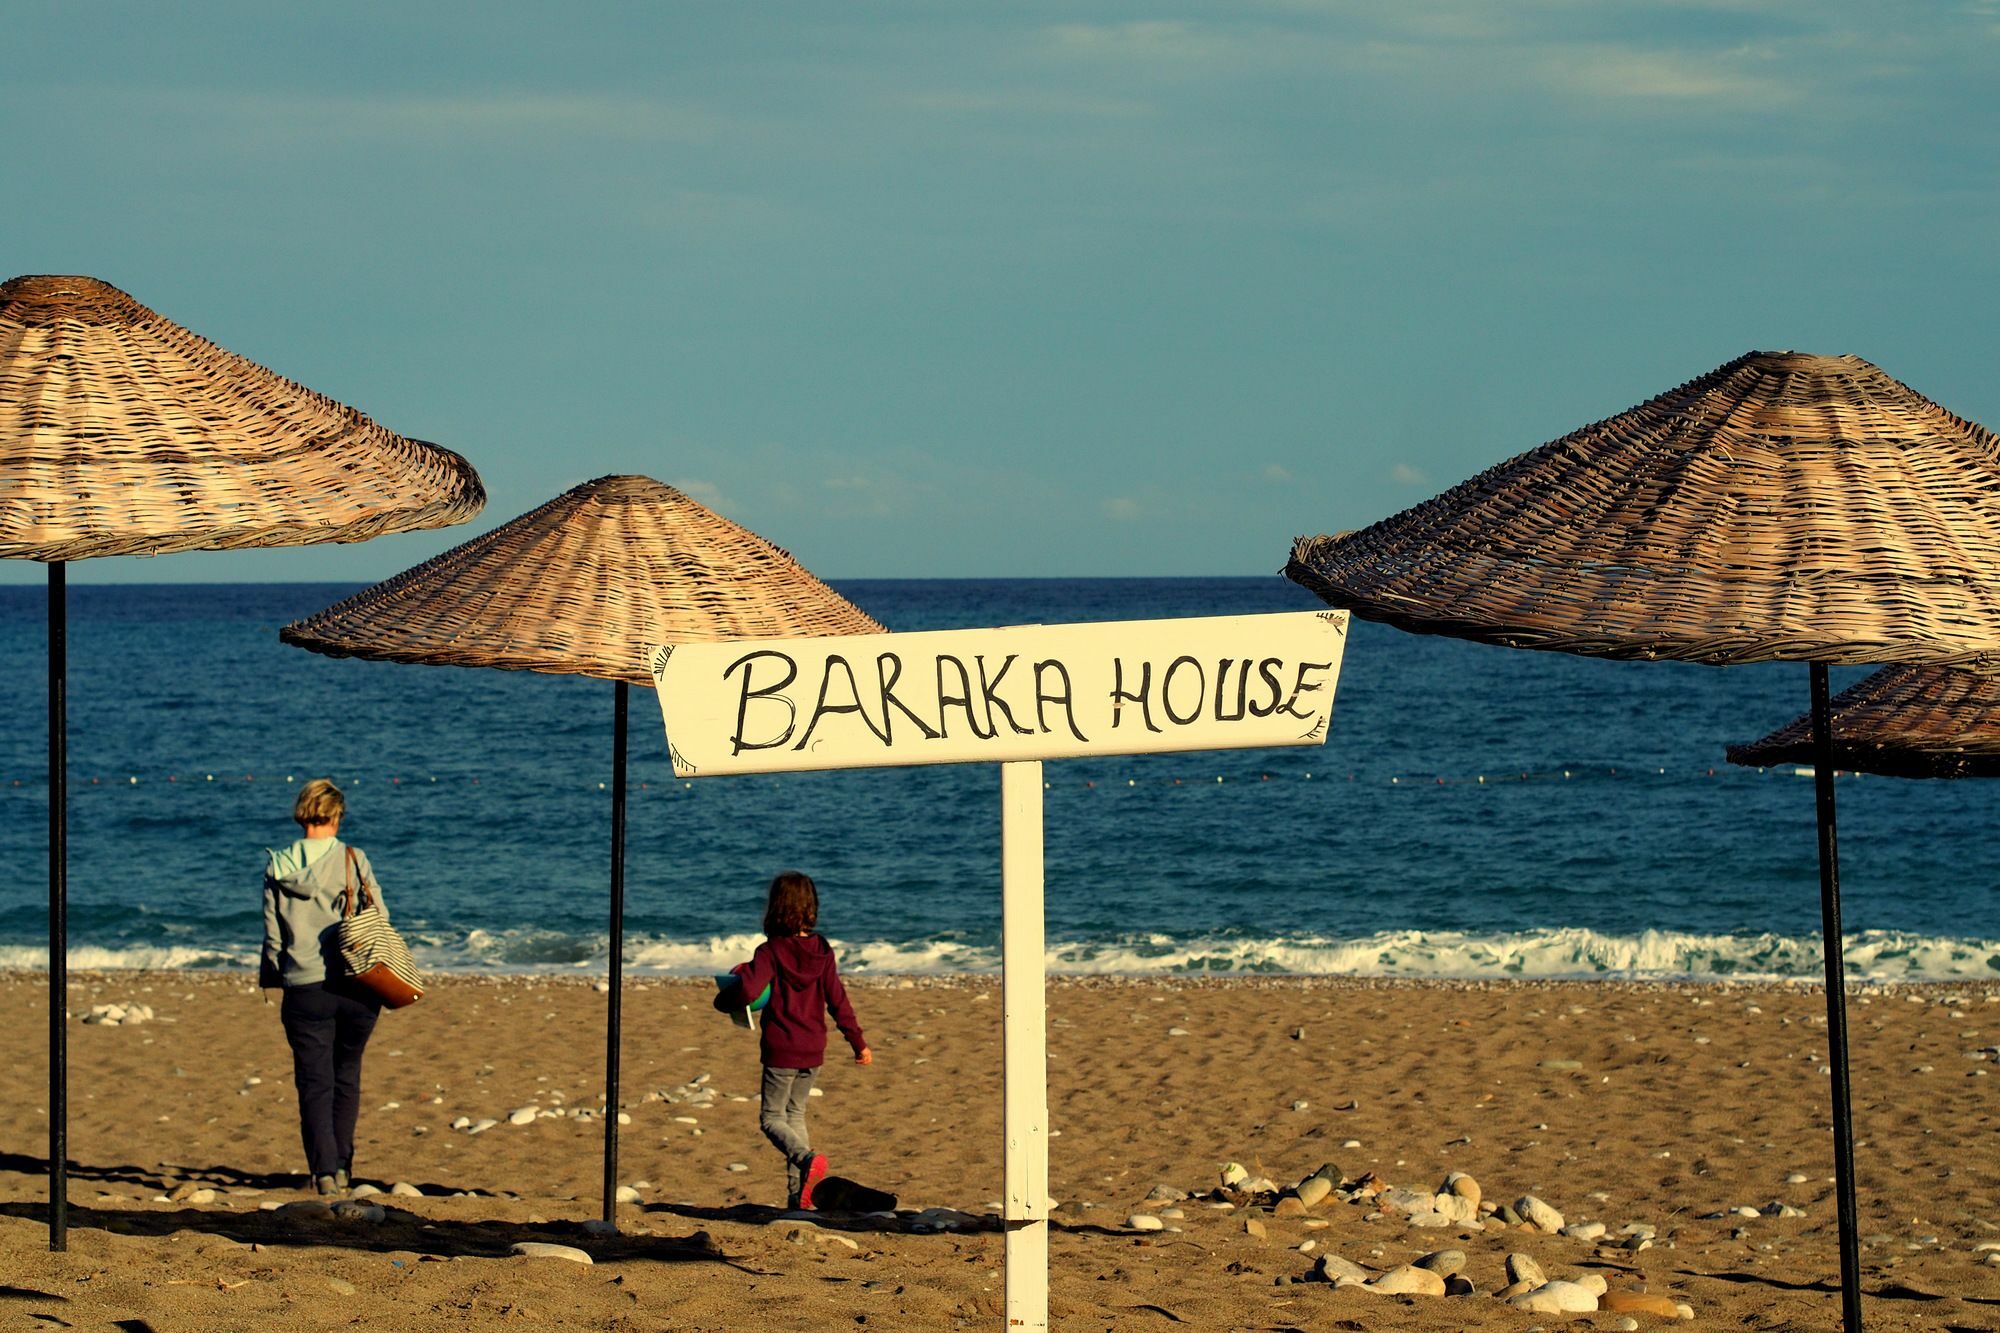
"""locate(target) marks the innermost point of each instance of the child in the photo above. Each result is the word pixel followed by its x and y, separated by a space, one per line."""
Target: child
pixel 805 986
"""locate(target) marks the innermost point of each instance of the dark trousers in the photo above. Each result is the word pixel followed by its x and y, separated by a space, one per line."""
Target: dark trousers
pixel 328 1028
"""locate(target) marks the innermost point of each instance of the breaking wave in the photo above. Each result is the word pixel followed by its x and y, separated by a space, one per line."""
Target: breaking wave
pixel 1552 954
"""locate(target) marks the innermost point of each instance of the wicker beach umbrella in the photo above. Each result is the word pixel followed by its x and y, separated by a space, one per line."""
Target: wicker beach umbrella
pixel 578 587
pixel 1781 507
pixel 122 433
pixel 1901 722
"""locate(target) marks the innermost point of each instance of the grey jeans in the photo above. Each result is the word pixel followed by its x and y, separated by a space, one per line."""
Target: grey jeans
pixel 784 1122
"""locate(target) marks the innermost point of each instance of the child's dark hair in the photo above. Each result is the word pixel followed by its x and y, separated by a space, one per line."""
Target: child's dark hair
pixel 793 906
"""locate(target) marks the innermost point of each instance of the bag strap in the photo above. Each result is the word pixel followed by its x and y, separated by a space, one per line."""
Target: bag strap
pixel 349 876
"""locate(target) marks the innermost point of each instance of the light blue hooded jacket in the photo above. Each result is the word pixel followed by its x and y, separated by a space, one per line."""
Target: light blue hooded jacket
pixel 303 889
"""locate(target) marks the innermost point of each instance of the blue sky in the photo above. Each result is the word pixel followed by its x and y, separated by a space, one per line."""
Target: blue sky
pixel 964 289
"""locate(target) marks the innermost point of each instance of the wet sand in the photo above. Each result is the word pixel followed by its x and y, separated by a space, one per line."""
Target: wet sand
pixel 1639 1106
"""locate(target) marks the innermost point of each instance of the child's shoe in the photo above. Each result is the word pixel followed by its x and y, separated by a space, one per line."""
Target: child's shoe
pixel 815 1172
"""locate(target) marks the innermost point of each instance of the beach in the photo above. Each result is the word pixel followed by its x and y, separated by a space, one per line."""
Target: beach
pixel 1660 1110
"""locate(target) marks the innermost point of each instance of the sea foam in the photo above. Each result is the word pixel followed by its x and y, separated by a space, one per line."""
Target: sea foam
pixel 1555 954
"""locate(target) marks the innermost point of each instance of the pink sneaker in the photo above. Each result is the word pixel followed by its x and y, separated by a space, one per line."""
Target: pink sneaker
pixel 815 1172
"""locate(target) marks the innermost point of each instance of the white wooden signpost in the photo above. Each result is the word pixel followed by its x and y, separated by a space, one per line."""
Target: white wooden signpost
pixel 1014 696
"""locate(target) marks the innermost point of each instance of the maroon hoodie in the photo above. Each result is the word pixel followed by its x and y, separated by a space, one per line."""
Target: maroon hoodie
pixel 805 988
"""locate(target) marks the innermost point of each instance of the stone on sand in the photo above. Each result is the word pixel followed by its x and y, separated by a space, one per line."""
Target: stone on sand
pixel 1464 1186
pixel 1289 1206
pixel 403 1189
pixel 1442 1262
pixel 522 1115
pixel 1637 1302
pixel 1145 1222
pixel 1332 1268
pixel 1313 1189
pixel 1543 1217
pixel 541 1249
pixel 1556 1298
pixel 1408 1280
pixel 1523 1268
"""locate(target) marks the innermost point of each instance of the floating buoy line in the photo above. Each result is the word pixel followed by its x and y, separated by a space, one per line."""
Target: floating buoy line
pixel 1414 781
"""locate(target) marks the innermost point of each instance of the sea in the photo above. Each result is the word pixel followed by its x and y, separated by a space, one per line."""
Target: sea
pixel 1475 812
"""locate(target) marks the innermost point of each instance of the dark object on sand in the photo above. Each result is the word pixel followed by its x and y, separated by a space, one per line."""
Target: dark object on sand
pixel 838 1194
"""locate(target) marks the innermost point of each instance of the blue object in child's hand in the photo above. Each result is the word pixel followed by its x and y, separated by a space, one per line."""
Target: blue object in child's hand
pixel 724 980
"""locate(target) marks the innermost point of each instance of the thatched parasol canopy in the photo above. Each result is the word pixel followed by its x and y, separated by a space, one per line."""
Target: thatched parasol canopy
pixel 121 433
pixel 580 585
pixel 1782 507
pixel 1901 722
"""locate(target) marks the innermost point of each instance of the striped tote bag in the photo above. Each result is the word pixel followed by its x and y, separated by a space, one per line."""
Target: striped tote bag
pixel 375 954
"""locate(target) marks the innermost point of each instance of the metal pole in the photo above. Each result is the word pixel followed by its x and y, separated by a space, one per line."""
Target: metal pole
pixel 58 908
pixel 1836 1005
pixel 1025 1031
pixel 613 1039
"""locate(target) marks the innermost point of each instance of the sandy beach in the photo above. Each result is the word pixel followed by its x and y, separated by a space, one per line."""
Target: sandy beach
pixel 1653 1109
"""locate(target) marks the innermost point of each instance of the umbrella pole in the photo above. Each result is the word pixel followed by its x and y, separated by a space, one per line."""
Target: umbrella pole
pixel 1836 1004
pixel 613 1039
pixel 58 908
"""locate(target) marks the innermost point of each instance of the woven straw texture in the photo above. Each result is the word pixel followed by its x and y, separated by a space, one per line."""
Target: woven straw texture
pixel 1783 506
pixel 1902 722
pixel 122 433
pixel 581 585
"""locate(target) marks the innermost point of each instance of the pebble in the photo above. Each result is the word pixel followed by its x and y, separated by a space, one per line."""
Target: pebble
pixel 1300 1105
pixel 1556 1298
pixel 1288 1206
pixel 1533 1210
pixel 1332 1268
pixel 1443 1262
pixel 1177 1032
pixel 1625 1324
pixel 626 1194
pixel 522 1115
pixel 1457 1207
pixel 1593 1283
pixel 1166 1194
pixel 463 1122
pixel 1145 1222
pixel 1458 1285
pixel 339 1287
pixel 1464 1186
pixel 482 1126
pixel 1407 1200
pixel 1523 1268
pixel 738 1167
pixel 366 1191
pixel 1313 1189
pixel 1251 1228
pixel 353 1210
pixel 403 1189
pixel 541 1249
pixel 1234 1173
pixel 1637 1302
pixel 599 1226
pixel 816 1092
pixel 1407 1280
pixel 312 1208
pixel 1584 1230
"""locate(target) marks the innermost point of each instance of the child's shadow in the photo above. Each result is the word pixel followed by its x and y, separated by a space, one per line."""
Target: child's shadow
pixel 840 1204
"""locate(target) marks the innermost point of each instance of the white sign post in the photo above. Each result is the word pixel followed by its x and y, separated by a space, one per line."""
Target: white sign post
pixel 1013 696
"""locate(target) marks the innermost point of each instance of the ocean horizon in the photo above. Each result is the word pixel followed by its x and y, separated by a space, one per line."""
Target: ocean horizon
pixel 1475 812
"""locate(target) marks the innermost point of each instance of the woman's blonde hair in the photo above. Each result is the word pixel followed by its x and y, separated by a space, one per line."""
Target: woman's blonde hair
pixel 320 802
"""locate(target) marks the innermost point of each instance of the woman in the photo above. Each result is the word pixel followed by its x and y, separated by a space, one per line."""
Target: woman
pixel 327 1021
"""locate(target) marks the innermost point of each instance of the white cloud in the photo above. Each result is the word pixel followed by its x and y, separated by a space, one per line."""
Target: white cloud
pixel 1404 475
pixel 1122 508
pixel 704 492
pixel 1743 77
pixel 1275 474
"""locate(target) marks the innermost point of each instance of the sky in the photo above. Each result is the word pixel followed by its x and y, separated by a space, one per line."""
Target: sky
pixel 971 290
